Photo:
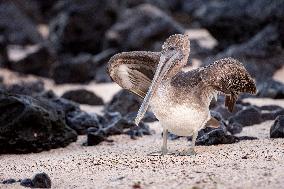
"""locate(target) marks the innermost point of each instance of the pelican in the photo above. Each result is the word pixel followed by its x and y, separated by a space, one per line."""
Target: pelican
pixel 180 100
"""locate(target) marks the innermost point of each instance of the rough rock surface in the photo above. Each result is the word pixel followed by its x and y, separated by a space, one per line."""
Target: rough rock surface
pixel 271 89
pixel 79 69
pixel 145 22
pixel 80 25
pixel 124 102
pixel 277 129
pixel 216 136
pixel 83 96
pixel 26 88
pixel 80 121
pixel 31 125
pixel 231 21
pixel 39 62
pixel 262 54
pixel 113 123
pixel 248 116
pixel 15 26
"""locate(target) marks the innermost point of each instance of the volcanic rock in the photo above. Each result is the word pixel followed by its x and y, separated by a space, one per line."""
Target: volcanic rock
pixel 144 27
pixel 15 26
pixel 9 181
pixel 41 180
pixel 83 96
pixel 79 69
pixel 271 89
pixel 277 129
pixel 27 183
pixel 26 88
pixel 262 55
pixel 80 26
pixel 39 62
pixel 234 128
pixel 246 117
pixel 124 102
pixel 31 125
pixel 226 19
pixel 80 121
pixel 216 136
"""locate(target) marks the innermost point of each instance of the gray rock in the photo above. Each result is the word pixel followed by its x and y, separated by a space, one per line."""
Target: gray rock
pixel 277 129
pixel 248 116
pixel 32 125
pixel 41 180
pixel 234 128
pixel 27 183
pixel 79 69
pixel 262 54
pixel 80 121
pixel 271 89
pixel 145 22
pixel 38 62
pixel 79 26
pixel 231 21
pixel 9 181
pixel 124 102
pixel 26 88
pixel 83 96
pixel 16 27
pixel 214 137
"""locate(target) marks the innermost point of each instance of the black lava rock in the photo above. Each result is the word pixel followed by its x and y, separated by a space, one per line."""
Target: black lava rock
pixel 15 26
pixel 94 137
pixel 79 69
pixel 32 125
pixel 27 183
pixel 234 128
pixel 277 129
pixel 226 19
pixel 270 107
pixel 9 181
pixel 124 102
pixel 216 136
pixel 41 180
pixel 145 22
pixel 271 89
pixel 100 61
pixel 80 121
pixel 37 11
pixel 39 62
pixel 26 88
pixel 113 123
pixel 83 96
pixel 225 112
pixel 248 116
pixel 80 25
pixel 262 55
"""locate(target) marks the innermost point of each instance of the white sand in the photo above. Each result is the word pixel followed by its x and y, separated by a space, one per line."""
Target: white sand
pixel 121 164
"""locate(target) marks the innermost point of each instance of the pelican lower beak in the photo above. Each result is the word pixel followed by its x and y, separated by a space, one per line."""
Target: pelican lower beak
pixel 167 60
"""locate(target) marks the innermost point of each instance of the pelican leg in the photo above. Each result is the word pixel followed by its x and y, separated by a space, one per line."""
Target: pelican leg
pixel 164 149
pixel 165 141
pixel 190 151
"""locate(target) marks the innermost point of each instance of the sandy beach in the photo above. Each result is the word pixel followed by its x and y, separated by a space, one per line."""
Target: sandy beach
pixel 58 52
pixel 125 163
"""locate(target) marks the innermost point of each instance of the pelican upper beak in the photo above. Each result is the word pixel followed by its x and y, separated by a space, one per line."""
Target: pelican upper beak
pixel 167 60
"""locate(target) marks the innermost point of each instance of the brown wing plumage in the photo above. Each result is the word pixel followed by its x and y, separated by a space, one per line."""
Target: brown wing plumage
pixel 134 70
pixel 230 77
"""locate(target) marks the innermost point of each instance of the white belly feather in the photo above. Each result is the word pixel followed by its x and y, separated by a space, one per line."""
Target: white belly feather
pixel 181 120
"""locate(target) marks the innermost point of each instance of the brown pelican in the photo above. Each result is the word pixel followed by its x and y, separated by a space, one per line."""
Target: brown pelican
pixel 180 100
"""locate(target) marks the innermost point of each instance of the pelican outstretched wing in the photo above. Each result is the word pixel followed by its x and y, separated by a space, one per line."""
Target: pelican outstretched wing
pixel 230 77
pixel 134 70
